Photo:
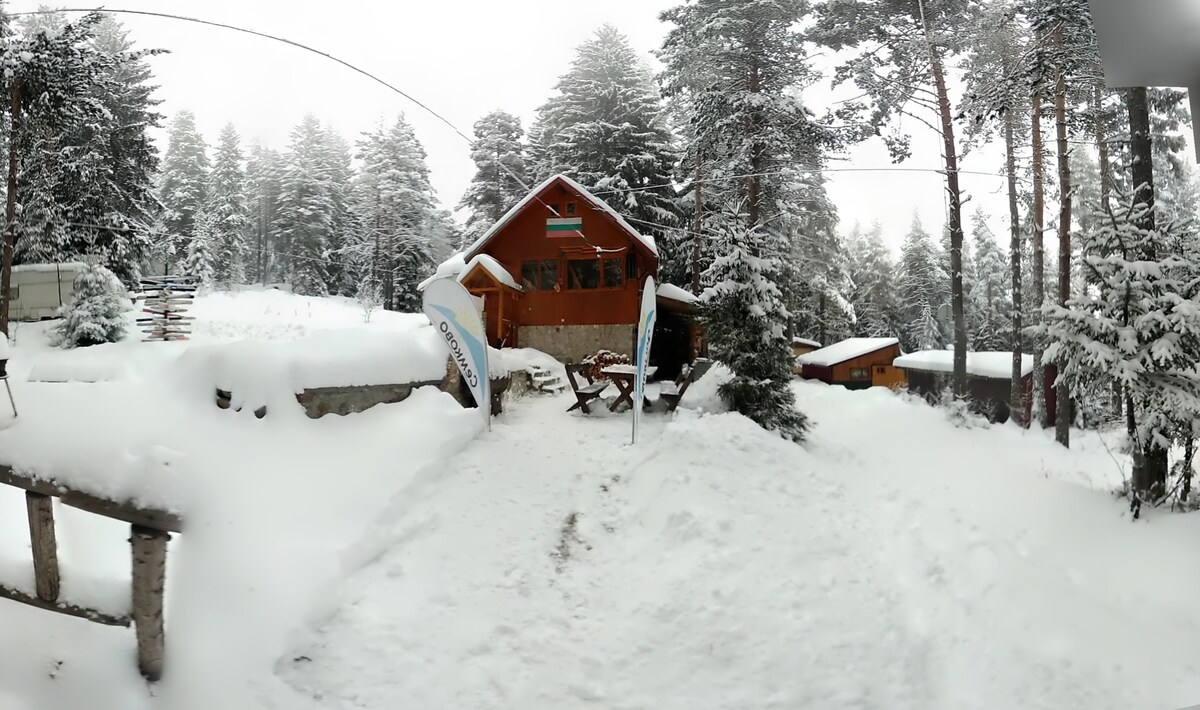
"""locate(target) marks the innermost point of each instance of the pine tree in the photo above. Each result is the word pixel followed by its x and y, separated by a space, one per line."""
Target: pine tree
pixel 500 174
pixel 264 178
pixel 748 121
pixel 225 210
pixel 606 129
pixel 183 184
pixel 202 261
pixel 397 204
pixel 990 294
pixel 815 280
pixel 96 313
pixel 874 296
pixel 306 210
pixel 922 289
pixel 743 316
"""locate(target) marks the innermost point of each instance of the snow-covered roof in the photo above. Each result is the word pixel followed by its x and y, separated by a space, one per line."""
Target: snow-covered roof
pixel 448 269
pixel 806 341
pixel 674 293
pixel 846 350
pixel 601 205
pixel 50 268
pixel 493 267
pixel 994 365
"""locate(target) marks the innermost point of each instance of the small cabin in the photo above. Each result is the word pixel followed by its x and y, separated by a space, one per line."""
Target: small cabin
pixel 849 363
pixel 38 290
pixel 562 272
pixel 989 379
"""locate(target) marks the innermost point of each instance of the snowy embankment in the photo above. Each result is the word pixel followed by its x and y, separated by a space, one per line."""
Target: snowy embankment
pixel 268 504
pixel 401 558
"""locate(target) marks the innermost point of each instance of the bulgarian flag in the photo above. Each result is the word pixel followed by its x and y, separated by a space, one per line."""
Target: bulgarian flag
pixel 563 226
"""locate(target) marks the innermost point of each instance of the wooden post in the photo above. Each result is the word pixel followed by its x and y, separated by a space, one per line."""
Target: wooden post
pixel 45 547
pixel 149 577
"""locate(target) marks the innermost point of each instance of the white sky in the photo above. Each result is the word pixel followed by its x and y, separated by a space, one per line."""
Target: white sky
pixel 463 58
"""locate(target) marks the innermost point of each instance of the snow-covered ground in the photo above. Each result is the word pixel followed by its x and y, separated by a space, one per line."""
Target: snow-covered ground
pixel 403 558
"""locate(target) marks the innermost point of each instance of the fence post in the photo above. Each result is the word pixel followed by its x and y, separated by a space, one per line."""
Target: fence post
pixel 149 576
pixel 45 546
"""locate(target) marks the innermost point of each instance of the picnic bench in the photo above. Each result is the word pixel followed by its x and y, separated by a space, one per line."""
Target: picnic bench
pixel 587 393
pixel 672 392
pixel 624 376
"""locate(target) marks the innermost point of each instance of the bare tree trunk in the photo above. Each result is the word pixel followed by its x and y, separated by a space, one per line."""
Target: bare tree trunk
pixel 1039 263
pixel 956 231
pixel 1016 395
pixel 697 223
pixel 753 195
pixel 10 214
pixel 1150 477
pixel 1063 411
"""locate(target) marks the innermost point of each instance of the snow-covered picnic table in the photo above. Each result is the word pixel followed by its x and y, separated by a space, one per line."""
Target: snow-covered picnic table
pixel 623 377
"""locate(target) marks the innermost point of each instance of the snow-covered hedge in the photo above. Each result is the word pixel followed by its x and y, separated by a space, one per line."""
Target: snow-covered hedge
pixel 96 313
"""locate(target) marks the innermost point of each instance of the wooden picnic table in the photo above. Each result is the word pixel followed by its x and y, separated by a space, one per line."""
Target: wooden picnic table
pixel 623 377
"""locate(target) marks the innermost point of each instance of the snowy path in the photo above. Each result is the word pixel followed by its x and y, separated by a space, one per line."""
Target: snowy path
pixel 713 567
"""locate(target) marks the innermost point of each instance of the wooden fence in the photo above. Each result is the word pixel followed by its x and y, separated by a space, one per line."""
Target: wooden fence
pixel 150 531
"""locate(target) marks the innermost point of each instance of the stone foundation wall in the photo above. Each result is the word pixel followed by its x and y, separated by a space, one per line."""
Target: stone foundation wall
pixel 572 343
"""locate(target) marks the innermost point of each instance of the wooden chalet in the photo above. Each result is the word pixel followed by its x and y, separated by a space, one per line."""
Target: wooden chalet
pixel 802 346
pixel 850 363
pixel 562 272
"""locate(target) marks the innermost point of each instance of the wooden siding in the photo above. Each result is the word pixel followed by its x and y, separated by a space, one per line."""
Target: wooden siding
pixel 883 356
pixel 524 238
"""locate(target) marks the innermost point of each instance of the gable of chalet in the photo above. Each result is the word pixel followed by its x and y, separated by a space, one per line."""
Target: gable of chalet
pixel 533 200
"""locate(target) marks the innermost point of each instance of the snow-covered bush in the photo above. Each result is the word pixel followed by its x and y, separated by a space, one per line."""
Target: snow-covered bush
pixel 370 297
pixel 960 412
pixel 95 314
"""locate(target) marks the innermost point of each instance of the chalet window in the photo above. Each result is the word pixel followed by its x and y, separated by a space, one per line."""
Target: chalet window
pixel 858 373
pixel 570 209
pixel 631 266
pixel 539 275
pixel 583 273
pixel 613 275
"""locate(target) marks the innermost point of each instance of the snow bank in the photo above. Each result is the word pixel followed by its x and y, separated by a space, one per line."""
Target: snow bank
pixel 845 350
pixel 702 395
pixel 995 365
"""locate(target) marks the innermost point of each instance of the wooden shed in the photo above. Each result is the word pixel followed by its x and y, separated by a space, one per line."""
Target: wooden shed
pixel 561 272
pixel 989 378
pixel 850 362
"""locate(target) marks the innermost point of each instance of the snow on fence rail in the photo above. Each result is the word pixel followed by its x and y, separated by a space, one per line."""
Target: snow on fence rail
pixel 150 531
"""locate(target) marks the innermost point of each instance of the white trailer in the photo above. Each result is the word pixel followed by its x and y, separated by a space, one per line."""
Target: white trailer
pixel 38 290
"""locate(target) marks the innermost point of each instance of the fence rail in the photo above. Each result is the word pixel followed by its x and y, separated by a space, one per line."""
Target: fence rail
pixel 150 531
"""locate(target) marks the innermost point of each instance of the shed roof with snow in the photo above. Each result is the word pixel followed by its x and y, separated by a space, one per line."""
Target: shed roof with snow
pixel 989 364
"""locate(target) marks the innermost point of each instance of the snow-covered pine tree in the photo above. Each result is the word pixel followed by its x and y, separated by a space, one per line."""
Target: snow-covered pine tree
pixel 744 322
pixel 202 260
pixel 500 172
pixel 989 298
pixel 750 123
pixel 306 210
pixel 1137 325
pixel 874 297
pixel 225 210
pixel 346 224
pixel 398 207
pixel 606 129
pixel 264 177
pixel 815 276
pixel 96 312
pixel 183 184
pixel 923 288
